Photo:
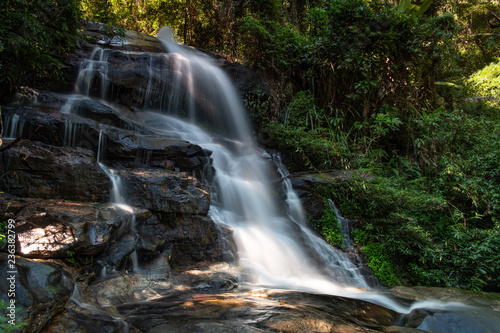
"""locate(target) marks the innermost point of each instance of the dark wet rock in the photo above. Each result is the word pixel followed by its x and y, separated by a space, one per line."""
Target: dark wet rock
pixel 119 146
pixel 50 127
pixel 259 311
pixel 140 240
pixel 130 58
pixel 149 246
pixel 486 300
pixel 249 82
pixel 77 320
pixel 127 147
pixel 188 239
pixel 458 310
pixel 131 41
pixel 305 185
pixel 118 254
pixel 35 169
pixel 58 228
pixel 192 240
pixel 104 115
pixel 83 317
pixel 42 289
pixel 100 35
pixel 165 191
pixel 37 98
pixel 151 237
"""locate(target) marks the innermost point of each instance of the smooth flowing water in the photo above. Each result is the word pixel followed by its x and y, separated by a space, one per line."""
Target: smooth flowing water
pixel 276 248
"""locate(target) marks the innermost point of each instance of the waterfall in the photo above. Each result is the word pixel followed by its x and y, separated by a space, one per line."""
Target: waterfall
pixel 343 225
pixel 208 95
pixel 275 247
pixel 13 127
pixel 89 69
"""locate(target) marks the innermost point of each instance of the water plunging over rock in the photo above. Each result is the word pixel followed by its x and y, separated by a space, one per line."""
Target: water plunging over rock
pixel 274 248
pixel 149 203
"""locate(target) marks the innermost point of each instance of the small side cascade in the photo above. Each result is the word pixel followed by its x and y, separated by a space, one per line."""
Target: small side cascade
pixel 294 206
pixel 338 264
pixel 13 127
pixel 344 226
pixel 118 200
pixel 117 191
pixel 72 133
pixel 93 69
pixel 87 311
pixel 92 80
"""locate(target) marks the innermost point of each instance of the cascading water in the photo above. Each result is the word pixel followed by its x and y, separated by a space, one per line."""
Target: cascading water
pixel 91 70
pixel 13 127
pixel 274 250
pixel 343 225
pixel 275 246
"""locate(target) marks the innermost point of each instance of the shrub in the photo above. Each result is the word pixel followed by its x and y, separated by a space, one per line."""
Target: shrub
pixel 34 36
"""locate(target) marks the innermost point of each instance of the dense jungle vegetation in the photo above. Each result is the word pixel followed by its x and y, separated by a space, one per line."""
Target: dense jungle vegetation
pixel 403 95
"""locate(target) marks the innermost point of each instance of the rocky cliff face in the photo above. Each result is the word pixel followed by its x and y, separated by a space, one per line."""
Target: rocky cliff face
pixel 55 188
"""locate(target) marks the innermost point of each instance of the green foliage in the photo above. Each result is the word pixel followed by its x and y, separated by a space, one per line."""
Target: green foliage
pixel 329 228
pixel 209 24
pixel 379 261
pixel 311 149
pixel 478 43
pixel 99 10
pixel 273 46
pixel 77 261
pixel 368 56
pixel 3 235
pixel 486 82
pixel 415 234
pixel 5 326
pixel 379 92
pixel 406 6
pixel 36 33
pixel 302 110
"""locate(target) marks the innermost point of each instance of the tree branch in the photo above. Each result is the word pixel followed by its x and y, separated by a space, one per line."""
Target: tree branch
pixel 497 17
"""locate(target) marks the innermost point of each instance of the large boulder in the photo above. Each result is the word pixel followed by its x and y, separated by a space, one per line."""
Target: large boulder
pixel 110 144
pixel 306 185
pixel 61 229
pixel 197 238
pixel 40 290
pixel 165 191
pixel 459 310
pixel 35 169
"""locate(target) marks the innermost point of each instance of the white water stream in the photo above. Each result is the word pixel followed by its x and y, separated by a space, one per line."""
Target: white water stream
pixel 275 246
